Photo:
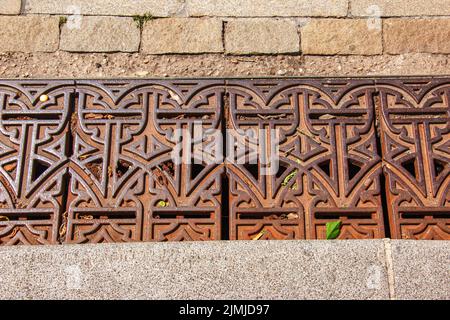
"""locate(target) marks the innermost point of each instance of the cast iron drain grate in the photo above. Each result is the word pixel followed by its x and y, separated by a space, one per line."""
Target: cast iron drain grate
pixel 95 161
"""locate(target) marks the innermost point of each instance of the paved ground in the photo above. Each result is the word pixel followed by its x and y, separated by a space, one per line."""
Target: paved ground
pixel 368 269
pixel 102 65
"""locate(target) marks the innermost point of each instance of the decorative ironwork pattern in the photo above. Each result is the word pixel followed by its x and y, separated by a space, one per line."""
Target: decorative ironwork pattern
pixel 94 161
pixel 329 168
pixel 125 185
pixel 415 134
pixel 33 159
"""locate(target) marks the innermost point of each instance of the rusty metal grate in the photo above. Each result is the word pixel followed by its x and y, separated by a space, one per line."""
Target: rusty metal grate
pixel 112 160
pixel 329 166
pixel 33 159
pixel 125 184
pixel 415 135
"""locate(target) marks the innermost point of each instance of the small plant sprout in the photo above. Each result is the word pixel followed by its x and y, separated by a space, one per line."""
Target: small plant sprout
pixel 62 21
pixel 141 20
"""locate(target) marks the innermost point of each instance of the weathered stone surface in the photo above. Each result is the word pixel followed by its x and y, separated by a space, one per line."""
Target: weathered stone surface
pixel 156 8
pixel 271 36
pixel 195 270
pixel 73 65
pixel 416 35
pixel 179 35
pixel 29 34
pixel 339 36
pixel 100 34
pixel 267 8
pixel 397 8
pixel 10 6
pixel 421 269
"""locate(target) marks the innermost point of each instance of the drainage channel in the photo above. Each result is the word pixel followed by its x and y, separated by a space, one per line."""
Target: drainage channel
pixel 92 161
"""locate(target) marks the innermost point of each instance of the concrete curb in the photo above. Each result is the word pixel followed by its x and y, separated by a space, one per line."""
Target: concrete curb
pixel 356 269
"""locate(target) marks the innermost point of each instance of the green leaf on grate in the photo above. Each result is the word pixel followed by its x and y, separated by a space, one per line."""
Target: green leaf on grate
pixel 333 229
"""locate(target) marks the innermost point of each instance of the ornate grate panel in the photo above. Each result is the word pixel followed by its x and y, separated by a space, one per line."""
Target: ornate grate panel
pixel 329 168
pixel 33 159
pixel 94 161
pixel 415 134
pixel 128 182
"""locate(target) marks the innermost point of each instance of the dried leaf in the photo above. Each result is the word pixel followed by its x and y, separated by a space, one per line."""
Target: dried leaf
pixel 93 116
pixel 259 235
pixel 175 97
pixel 86 217
pixel 272 116
pixel 10 167
pixel 327 117
pixel 62 230
pixel 288 152
pixel 292 215
pixel 288 178
pixel 110 171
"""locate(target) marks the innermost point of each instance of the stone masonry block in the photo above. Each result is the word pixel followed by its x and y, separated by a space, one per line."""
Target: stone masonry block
pixel 268 36
pixel 267 8
pixel 178 35
pixel 416 35
pixel 341 36
pixel 399 8
pixel 10 6
pixel 28 34
pixel 156 8
pixel 100 34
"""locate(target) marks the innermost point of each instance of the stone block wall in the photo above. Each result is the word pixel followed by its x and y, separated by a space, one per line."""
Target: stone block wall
pixel 283 37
